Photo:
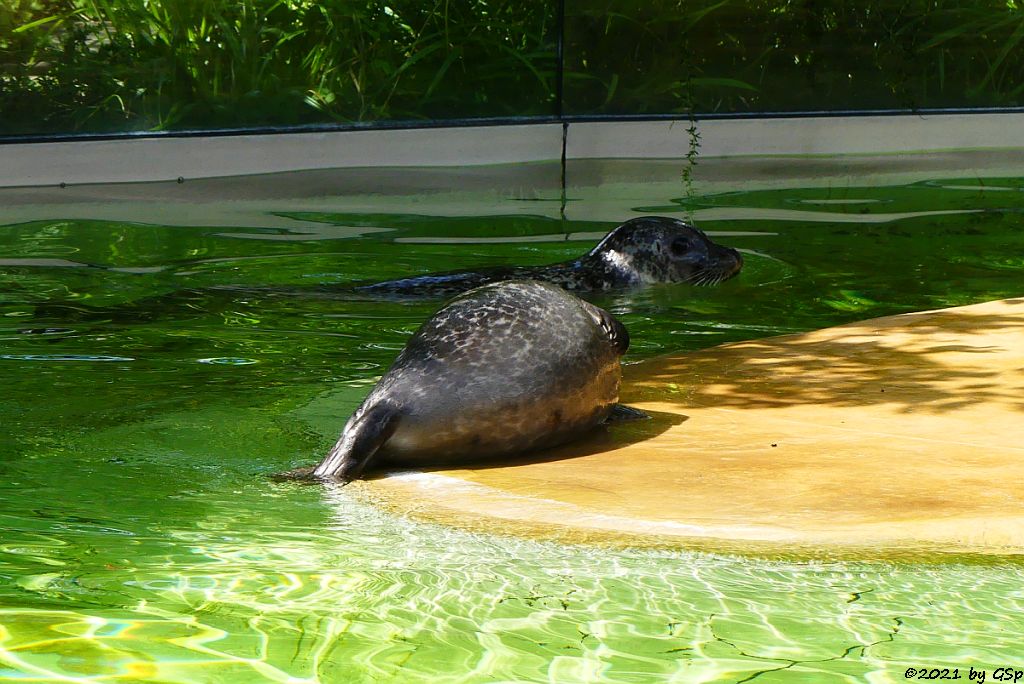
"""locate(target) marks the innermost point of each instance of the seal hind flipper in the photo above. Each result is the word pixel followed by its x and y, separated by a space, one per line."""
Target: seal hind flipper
pixel 358 444
pixel 621 413
pixel 303 474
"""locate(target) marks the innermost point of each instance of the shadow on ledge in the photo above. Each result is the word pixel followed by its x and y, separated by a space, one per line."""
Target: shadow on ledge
pixel 937 362
pixel 601 440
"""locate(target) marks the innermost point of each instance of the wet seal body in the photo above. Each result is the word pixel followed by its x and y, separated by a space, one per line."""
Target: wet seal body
pixel 641 251
pixel 503 369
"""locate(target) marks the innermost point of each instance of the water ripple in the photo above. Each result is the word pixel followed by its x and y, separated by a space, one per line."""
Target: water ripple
pixel 64 357
pixel 228 361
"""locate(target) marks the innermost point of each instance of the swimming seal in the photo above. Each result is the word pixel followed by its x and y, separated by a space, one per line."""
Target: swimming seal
pixel 503 369
pixel 641 251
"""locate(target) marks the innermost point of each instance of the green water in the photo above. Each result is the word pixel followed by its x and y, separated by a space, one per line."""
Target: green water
pixel 141 411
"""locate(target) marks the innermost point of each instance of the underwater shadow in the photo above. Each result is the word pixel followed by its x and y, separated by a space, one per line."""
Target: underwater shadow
pixel 935 362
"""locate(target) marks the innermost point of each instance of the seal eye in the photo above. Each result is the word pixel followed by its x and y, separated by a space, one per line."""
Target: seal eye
pixel 680 246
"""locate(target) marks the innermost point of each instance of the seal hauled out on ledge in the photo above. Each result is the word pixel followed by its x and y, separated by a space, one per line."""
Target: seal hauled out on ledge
pixel 641 251
pixel 504 369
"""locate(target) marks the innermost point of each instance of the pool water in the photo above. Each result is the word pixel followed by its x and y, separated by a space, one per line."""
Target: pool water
pixel 144 404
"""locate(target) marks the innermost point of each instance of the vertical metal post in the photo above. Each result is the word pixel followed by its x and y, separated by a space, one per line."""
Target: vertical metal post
pixel 560 61
pixel 560 97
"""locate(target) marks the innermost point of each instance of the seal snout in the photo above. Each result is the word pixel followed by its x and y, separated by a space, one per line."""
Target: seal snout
pixel 737 260
pixel 725 262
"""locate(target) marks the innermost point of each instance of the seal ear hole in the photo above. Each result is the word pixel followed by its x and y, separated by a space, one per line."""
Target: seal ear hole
pixel 680 246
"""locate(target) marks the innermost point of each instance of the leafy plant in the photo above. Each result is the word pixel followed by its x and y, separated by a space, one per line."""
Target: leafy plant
pixel 166 64
pixel 711 56
pixel 118 65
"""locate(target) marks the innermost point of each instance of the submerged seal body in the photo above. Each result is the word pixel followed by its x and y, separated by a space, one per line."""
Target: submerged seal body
pixel 503 369
pixel 641 251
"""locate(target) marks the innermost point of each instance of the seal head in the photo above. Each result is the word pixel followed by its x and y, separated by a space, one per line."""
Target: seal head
pixel 656 249
pixel 500 370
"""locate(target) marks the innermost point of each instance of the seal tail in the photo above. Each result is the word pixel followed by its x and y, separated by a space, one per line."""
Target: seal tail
pixel 358 444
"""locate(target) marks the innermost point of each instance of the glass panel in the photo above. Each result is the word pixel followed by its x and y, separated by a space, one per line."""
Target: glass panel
pixel 666 56
pixel 71 66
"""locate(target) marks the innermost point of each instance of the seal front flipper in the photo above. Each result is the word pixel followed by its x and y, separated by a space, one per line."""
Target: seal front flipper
pixel 621 413
pixel 358 444
pixel 611 326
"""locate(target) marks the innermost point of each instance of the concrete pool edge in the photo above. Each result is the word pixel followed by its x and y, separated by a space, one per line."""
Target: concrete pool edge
pixel 316 204
pixel 554 522
pixel 167 159
pixel 947 493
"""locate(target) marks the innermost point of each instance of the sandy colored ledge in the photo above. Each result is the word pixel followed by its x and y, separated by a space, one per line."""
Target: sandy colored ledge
pixel 890 433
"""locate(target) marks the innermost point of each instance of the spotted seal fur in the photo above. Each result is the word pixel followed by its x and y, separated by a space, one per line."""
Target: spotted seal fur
pixel 641 251
pixel 506 368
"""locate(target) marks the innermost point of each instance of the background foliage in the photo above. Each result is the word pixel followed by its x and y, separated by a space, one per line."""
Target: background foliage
pixel 114 65
pixel 101 65
pixel 792 55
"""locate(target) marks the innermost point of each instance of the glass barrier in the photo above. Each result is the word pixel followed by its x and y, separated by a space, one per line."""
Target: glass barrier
pixel 722 56
pixel 107 66
pixel 88 66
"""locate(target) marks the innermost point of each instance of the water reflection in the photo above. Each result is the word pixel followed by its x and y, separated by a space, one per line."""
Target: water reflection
pixel 142 540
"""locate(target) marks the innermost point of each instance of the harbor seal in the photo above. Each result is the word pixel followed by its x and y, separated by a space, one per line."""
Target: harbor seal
pixel 503 369
pixel 641 251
